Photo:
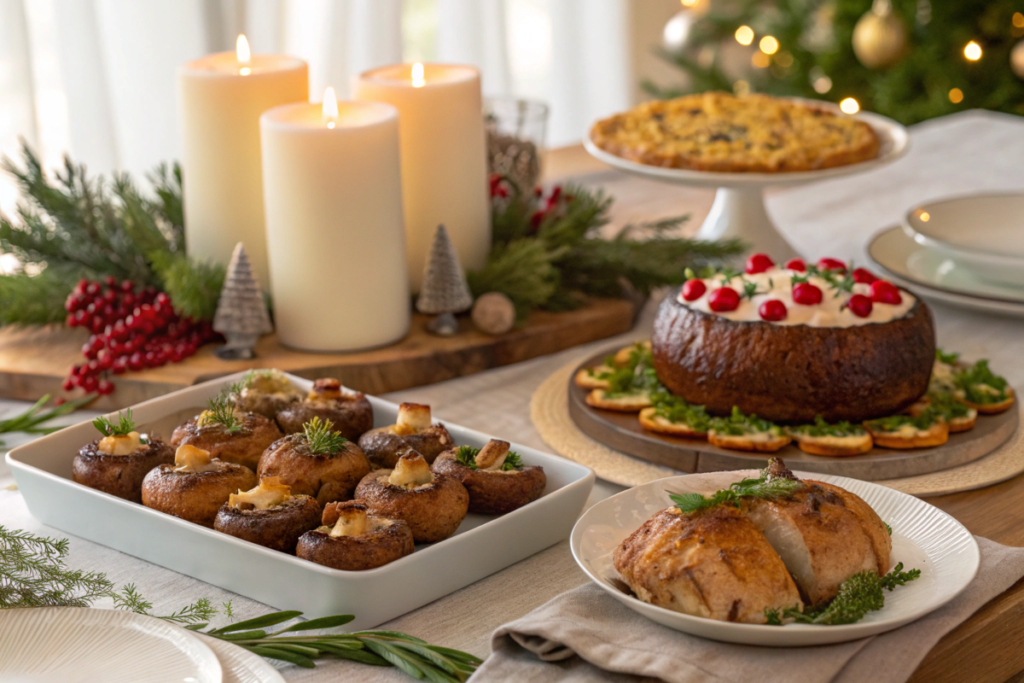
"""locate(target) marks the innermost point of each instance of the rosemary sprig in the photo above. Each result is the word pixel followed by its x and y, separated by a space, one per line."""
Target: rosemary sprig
pixel 321 438
pixel 30 421
pixel 764 486
pixel 467 456
pixel 221 410
pixel 125 424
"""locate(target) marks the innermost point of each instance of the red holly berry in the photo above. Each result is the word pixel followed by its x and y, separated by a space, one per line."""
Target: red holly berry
pixel 68 384
pixel 694 289
pixel 772 310
pixel 105 387
pixel 806 294
pixel 723 299
pixel 829 263
pixel 885 292
pixel 863 276
pixel 796 264
pixel 759 263
pixel 59 401
pixel 859 305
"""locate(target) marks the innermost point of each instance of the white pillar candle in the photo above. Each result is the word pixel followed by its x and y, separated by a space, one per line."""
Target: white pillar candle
pixel 221 97
pixel 333 197
pixel 444 158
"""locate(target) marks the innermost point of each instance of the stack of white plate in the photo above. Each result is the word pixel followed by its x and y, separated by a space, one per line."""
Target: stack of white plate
pixel 965 251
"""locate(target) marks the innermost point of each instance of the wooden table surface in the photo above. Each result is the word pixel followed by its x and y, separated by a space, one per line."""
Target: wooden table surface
pixel 990 645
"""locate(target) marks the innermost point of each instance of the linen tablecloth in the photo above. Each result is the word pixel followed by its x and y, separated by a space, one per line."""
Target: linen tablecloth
pixel 955 154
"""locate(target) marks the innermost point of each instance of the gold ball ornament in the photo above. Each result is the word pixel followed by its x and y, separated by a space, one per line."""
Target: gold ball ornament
pixel 879 37
pixel 494 313
pixel 1017 60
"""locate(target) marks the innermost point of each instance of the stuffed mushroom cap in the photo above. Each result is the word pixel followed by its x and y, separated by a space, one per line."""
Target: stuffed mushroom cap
pixel 317 462
pixel 433 505
pixel 353 540
pixel 412 430
pixel 195 486
pixel 349 411
pixel 265 392
pixel 117 464
pixel 268 515
pixel 496 480
pixel 229 435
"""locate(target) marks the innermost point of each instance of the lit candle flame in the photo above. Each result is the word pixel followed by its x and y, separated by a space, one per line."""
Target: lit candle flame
pixel 242 54
pixel 418 81
pixel 330 110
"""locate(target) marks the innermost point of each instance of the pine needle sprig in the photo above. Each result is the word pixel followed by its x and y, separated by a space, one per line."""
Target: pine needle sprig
pixel 322 438
pixel 221 410
pixel 125 424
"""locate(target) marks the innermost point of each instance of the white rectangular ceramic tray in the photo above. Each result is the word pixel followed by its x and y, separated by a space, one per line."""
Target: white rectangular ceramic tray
pixel 481 546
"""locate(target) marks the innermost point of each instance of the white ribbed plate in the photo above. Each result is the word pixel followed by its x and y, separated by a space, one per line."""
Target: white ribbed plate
pixel 240 665
pixel 924 538
pixel 79 645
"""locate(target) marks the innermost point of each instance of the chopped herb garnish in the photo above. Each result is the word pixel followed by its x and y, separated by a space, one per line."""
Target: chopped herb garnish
pixel 467 456
pixel 321 438
pixel 749 289
pixel 764 486
pixel 980 385
pixel 888 528
pixel 675 409
pixel 922 421
pixel 221 410
pixel 635 377
pixel 512 462
pixel 739 424
pixel 822 428
pixel 124 426
pixel 947 358
pixel 947 406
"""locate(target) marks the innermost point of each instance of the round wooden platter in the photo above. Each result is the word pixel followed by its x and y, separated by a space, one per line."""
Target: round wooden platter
pixel 622 431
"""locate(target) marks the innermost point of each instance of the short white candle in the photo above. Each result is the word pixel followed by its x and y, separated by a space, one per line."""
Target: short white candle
pixel 444 157
pixel 333 196
pixel 221 97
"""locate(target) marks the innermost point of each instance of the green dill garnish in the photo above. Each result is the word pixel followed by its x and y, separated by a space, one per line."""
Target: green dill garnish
pixel 637 376
pixel 947 358
pixel 858 595
pixel 749 289
pixel 925 419
pixel 822 428
pixel 739 424
pixel 888 528
pixel 980 385
pixel 321 438
pixel 466 455
pixel 676 410
pixel 124 427
pixel 764 486
pixel 221 410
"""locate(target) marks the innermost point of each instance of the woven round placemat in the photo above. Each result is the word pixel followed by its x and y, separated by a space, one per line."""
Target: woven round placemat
pixel 549 410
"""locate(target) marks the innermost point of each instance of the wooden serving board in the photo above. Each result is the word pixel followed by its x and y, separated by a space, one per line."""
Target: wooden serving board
pixel 35 360
pixel 622 431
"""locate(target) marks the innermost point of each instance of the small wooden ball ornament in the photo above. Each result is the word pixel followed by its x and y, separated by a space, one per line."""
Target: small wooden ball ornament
pixel 879 37
pixel 494 313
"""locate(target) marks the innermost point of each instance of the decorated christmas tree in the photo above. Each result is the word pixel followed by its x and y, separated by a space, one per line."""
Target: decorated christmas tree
pixel 907 59
pixel 241 313
pixel 444 292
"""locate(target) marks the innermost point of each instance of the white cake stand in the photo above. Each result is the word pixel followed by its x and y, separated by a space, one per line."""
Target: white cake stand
pixel 739 211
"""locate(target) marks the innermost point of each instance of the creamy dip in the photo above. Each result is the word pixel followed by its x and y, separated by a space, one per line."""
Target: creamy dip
pixel 776 283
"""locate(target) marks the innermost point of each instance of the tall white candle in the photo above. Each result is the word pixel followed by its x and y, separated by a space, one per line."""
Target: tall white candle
pixel 221 97
pixel 444 158
pixel 333 196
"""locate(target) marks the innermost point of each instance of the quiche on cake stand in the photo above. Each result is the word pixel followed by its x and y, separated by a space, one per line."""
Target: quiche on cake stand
pixel 741 145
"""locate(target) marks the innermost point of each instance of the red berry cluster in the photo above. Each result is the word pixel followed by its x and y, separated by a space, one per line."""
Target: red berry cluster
pixel 553 203
pixel 130 331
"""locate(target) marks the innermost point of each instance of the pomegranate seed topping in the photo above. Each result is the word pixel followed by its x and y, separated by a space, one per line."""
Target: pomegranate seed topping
pixel 863 276
pixel 859 305
pixel 723 299
pixel 796 264
pixel 772 310
pixel 759 263
pixel 829 263
pixel 806 294
pixel 694 289
pixel 885 292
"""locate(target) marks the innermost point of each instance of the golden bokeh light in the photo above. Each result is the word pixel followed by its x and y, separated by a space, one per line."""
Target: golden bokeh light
pixel 956 95
pixel 760 60
pixel 849 106
pixel 972 51
pixel 769 45
pixel 744 35
pixel 1018 20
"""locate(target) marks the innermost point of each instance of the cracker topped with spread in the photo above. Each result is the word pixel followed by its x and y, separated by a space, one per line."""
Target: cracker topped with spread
pixel 716 131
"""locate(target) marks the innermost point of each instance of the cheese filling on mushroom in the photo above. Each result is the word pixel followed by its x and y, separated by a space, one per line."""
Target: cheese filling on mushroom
pixel 121 444
pixel 269 493
pixel 492 456
pixel 412 419
pixel 326 390
pixel 352 521
pixel 411 471
pixel 207 418
pixel 191 459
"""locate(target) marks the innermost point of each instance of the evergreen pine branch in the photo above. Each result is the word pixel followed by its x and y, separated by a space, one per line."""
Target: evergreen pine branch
pixel 194 286
pixel 523 270
pixel 39 299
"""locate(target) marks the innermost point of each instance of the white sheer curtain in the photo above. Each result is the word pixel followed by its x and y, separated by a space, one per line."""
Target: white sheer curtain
pixel 96 78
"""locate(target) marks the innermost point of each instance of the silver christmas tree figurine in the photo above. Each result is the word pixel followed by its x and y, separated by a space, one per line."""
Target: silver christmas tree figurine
pixel 444 291
pixel 241 312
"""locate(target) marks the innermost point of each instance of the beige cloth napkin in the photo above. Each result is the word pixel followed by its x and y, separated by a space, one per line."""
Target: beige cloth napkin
pixel 586 635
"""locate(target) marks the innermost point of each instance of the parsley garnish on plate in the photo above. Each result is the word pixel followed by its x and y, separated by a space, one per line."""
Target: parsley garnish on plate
pixel 125 424
pixel 981 385
pixel 822 428
pixel 739 424
pixel 467 456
